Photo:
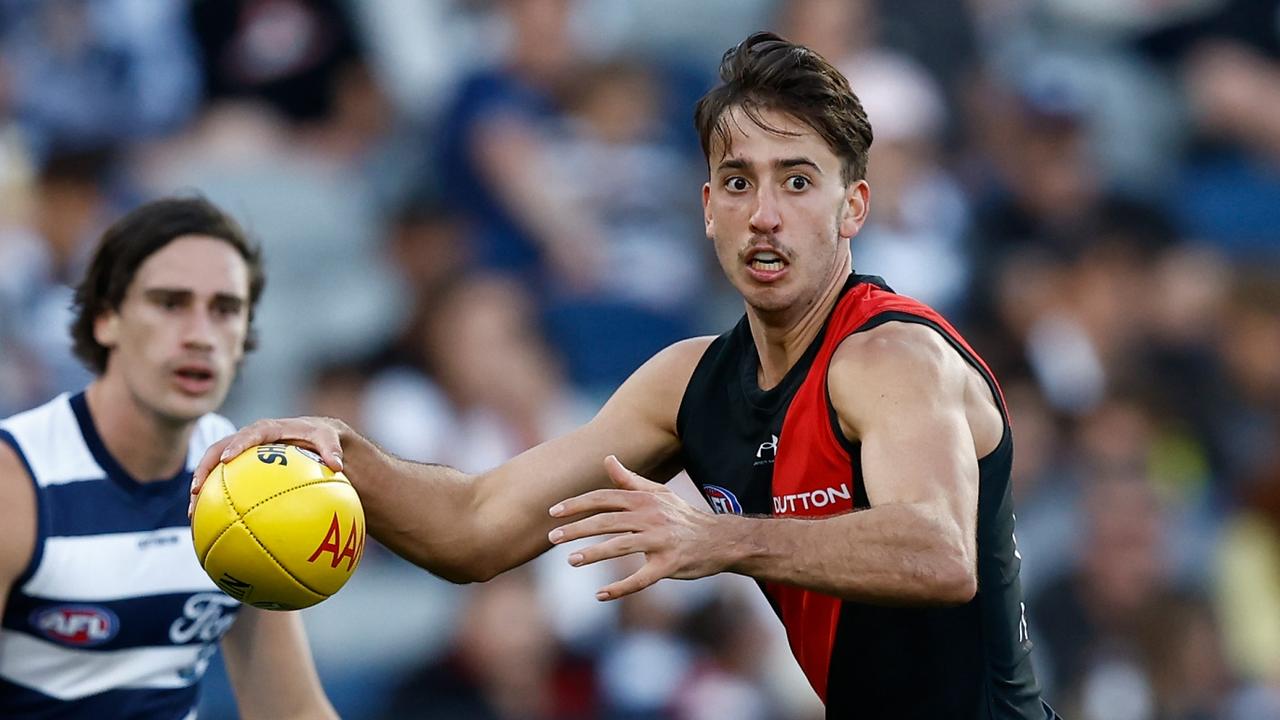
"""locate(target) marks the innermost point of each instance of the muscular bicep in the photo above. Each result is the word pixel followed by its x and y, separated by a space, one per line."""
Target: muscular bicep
pixel 17 519
pixel 901 392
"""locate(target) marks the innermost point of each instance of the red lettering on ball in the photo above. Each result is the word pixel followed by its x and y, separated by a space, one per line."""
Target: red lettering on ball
pixel 330 544
pixel 352 550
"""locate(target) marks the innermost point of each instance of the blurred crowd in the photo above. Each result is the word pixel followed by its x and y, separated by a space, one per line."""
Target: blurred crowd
pixel 480 215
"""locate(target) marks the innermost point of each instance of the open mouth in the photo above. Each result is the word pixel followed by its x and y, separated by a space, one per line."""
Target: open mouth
pixel 194 380
pixel 195 374
pixel 767 261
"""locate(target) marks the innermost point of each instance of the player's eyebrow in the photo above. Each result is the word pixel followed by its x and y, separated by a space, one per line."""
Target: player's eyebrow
pixel 166 293
pixel 229 301
pixel 782 163
pixel 798 162
pixel 161 294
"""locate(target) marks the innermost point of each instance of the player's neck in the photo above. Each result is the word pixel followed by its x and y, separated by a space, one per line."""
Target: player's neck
pixel 147 446
pixel 781 340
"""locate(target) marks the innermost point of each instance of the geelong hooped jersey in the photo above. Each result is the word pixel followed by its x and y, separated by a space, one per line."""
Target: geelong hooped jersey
pixel 781 452
pixel 113 617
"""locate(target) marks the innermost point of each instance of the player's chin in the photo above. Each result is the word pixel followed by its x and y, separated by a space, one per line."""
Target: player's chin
pixel 769 298
pixel 187 406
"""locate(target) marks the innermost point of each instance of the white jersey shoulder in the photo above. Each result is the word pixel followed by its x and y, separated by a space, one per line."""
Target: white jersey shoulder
pixel 52 444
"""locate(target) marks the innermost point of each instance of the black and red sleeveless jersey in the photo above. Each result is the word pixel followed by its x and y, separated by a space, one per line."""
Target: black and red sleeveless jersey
pixel 780 452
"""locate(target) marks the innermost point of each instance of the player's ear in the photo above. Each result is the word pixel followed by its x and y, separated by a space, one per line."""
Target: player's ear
pixel 706 210
pixel 853 211
pixel 106 328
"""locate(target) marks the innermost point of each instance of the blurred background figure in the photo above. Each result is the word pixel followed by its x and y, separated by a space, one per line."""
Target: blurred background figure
pixel 454 196
pixel 504 663
pixel 40 255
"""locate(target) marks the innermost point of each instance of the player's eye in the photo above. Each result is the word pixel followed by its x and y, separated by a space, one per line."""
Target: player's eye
pixel 228 308
pixel 737 183
pixel 798 182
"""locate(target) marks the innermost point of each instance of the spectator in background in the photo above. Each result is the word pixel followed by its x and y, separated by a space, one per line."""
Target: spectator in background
pixel 292 139
pixel 505 663
pixel 86 75
pixel 427 247
pixel 621 162
pixel 492 388
pixel 1044 182
pixel 38 262
pixel 287 53
pixel 495 157
pixel 920 228
pixel 839 31
pixel 1248 597
pixel 1228 59
pixel 1249 416
pixel 645 661
pixel 1086 618
pixel 1182 649
pixel 729 673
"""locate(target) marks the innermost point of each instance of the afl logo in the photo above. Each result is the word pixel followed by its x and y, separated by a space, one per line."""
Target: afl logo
pixel 78 625
pixel 721 500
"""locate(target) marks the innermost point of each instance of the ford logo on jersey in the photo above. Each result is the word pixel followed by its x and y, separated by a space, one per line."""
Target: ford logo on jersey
pixel 721 500
pixel 80 625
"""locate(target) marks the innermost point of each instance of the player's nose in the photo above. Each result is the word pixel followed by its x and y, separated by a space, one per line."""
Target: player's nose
pixel 765 216
pixel 198 331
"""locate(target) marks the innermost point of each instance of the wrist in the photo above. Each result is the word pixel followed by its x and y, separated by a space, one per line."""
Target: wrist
pixel 351 450
pixel 735 542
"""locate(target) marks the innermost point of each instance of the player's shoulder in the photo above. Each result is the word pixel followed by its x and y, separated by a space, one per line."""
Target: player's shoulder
pixel 210 428
pixel 12 467
pixel 894 352
pixel 53 412
pixel 655 389
pixel 17 512
pixel 215 425
pixel 674 364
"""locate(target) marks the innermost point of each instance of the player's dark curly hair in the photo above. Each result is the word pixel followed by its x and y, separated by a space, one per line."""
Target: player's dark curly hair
pixel 129 242
pixel 765 72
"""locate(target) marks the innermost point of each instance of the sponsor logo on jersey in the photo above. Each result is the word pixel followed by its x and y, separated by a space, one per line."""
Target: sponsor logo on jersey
pixel 767 451
pixel 205 617
pixel 805 501
pixel 158 540
pixel 78 625
pixel 721 500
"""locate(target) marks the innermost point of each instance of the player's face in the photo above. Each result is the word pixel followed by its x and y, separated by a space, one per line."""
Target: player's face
pixel 180 331
pixel 779 213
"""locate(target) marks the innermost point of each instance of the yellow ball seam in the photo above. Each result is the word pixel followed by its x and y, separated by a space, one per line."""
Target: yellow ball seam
pixel 226 494
pixel 241 520
pixel 279 564
pixel 269 498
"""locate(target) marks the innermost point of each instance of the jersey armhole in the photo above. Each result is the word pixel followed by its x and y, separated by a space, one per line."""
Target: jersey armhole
pixel 879 319
pixel 695 379
pixel 42 520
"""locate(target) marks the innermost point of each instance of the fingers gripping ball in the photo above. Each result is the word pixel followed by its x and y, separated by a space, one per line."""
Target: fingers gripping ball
pixel 277 529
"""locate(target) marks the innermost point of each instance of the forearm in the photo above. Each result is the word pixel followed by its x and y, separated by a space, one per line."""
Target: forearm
pixel 269 664
pixel 423 513
pixel 891 554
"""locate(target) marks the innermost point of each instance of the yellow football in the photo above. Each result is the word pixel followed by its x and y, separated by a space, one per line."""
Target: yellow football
pixel 275 528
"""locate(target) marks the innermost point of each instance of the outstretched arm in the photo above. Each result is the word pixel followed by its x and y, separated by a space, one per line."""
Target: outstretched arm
pixel 922 416
pixel 472 527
